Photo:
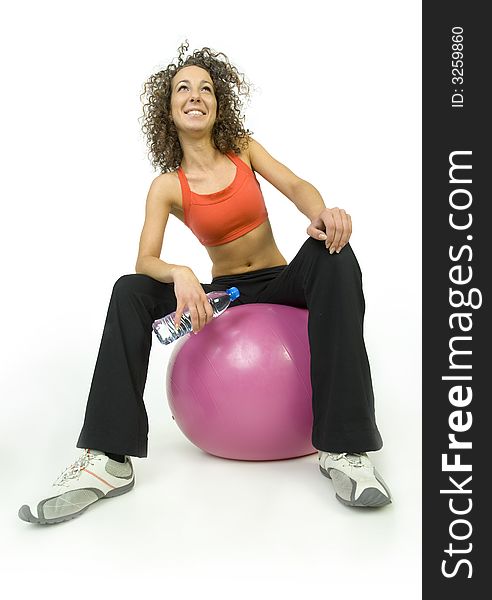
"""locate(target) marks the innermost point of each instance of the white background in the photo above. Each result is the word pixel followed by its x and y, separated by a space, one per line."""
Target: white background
pixel 337 100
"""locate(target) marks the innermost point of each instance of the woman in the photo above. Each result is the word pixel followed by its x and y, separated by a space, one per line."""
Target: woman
pixel 207 181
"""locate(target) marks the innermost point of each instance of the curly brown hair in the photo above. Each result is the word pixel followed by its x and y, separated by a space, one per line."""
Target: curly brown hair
pixel 228 133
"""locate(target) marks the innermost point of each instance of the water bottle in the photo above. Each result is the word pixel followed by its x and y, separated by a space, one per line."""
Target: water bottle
pixel 166 329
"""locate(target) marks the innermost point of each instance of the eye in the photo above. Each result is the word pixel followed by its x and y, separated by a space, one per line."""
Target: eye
pixel 205 87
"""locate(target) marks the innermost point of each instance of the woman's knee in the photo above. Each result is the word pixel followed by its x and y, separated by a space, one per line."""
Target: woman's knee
pixel 319 250
pixel 342 262
pixel 137 283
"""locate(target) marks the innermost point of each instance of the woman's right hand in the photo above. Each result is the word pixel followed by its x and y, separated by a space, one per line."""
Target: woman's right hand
pixel 189 293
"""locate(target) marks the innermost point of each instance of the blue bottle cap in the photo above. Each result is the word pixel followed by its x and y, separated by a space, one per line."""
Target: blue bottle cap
pixel 233 293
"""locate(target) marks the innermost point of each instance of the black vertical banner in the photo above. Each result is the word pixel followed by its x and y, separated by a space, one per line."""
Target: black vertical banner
pixel 457 268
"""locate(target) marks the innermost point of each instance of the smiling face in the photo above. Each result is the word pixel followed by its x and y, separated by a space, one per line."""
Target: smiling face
pixel 193 101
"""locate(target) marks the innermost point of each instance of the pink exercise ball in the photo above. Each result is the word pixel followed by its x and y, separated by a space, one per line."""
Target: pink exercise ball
pixel 241 388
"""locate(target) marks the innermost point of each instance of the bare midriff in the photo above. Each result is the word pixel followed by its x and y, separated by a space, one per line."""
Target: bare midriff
pixel 255 250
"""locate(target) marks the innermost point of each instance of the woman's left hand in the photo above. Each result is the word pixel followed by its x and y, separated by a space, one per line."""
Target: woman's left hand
pixel 332 226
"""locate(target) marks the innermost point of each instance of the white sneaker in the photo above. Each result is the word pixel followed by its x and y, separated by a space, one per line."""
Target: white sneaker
pixel 356 481
pixel 92 477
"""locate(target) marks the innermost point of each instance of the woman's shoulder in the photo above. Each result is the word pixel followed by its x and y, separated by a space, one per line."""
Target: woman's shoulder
pixel 244 145
pixel 166 186
pixel 164 181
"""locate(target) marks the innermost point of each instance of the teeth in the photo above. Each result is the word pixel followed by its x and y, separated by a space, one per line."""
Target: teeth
pixel 194 112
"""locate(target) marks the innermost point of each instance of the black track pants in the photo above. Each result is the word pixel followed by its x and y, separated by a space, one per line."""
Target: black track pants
pixel 328 285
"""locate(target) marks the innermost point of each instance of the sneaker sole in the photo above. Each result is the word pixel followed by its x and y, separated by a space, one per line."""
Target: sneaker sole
pixel 26 515
pixel 370 497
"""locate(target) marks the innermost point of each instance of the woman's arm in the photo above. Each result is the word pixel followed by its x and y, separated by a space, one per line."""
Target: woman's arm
pixel 304 195
pixel 187 289
pixel 331 225
pixel 157 209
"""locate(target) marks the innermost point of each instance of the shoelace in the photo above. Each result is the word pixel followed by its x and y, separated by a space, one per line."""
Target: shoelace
pixel 73 471
pixel 354 459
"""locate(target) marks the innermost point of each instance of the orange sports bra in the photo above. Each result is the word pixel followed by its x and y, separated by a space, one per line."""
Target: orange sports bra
pixel 228 214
